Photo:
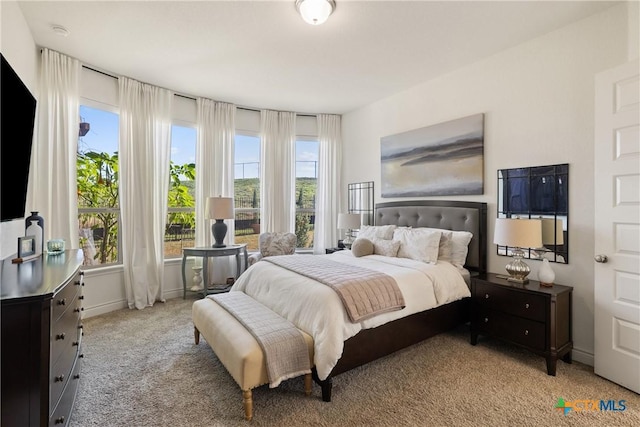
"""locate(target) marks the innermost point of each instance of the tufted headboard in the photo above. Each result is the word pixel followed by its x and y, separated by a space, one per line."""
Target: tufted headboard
pixel 446 214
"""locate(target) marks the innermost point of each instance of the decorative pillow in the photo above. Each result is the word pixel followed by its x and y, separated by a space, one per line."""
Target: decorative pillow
pixel 277 244
pixel 420 244
pixel 373 232
pixel 457 248
pixel 386 247
pixel 361 247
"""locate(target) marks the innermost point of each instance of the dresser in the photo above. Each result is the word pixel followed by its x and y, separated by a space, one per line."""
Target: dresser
pixel 41 339
pixel 532 316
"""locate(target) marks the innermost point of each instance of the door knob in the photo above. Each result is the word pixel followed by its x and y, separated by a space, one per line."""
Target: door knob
pixel 601 258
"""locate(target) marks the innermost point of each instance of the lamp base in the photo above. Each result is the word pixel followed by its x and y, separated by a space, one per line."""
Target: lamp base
pixel 348 240
pixel 518 270
pixel 219 231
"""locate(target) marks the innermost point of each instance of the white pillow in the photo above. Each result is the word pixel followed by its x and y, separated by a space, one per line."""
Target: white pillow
pixel 420 244
pixel 455 251
pixel 373 232
pixel 386 247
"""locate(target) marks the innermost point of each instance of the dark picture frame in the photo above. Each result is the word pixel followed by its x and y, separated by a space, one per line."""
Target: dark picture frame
pixel 26 246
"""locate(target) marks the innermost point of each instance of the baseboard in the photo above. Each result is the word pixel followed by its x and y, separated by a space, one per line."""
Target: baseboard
pixel 582 356
pixel 104 308
pixel 118 305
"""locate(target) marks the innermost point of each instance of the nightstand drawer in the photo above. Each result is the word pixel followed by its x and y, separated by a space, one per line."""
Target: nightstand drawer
pixel 508 300
pixel 512 328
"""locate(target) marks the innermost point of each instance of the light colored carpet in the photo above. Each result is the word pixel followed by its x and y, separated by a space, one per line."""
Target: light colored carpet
pixel 142 368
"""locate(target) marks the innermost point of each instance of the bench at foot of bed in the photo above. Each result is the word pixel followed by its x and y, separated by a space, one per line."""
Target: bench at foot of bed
pixel 237 349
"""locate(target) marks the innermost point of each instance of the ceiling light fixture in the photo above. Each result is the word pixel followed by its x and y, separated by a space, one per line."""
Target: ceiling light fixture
pixel 315 12
pixel 60 30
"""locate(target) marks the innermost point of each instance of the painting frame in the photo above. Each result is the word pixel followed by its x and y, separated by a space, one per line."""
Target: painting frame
pixel 444 159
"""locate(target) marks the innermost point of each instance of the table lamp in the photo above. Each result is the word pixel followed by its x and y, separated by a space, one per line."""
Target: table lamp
pixel 518 234
pixel 219 208
pixel 349 222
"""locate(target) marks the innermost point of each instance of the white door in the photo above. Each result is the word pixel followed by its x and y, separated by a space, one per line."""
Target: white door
pixel 617 225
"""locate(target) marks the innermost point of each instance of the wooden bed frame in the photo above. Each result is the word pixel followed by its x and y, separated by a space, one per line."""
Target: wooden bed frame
pixel 372 344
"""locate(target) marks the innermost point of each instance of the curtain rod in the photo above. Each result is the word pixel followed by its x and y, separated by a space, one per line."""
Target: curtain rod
pixel 189 96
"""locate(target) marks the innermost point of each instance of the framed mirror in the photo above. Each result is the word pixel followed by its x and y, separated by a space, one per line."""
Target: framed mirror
pixel 540 192
pixel 360 200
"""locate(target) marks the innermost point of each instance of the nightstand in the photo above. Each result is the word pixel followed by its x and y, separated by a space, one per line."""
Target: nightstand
pixel 534 317
pixel 332 250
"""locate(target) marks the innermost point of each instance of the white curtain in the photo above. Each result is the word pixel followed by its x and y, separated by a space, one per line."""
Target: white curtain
pixel 277 180
pixel 52 175
pixel 145 144
pixel 214 176
pixel 328 200
pixel 214 162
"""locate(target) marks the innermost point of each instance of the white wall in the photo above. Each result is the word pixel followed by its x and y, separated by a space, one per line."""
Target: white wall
pixel 538 104
pixel 18 47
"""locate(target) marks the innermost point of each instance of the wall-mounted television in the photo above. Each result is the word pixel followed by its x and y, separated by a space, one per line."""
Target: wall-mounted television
pixel 17 116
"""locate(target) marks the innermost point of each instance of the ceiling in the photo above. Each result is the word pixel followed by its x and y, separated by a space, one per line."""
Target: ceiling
pixel 261 54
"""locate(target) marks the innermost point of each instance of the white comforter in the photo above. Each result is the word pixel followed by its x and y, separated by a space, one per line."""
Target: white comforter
pixel 316 308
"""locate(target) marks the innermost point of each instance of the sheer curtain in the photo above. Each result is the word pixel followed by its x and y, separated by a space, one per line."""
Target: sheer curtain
pixel 277 181
pixel 145 144
pixel 214 175
pixel 328 200
pixel 52 175
pixel 214 162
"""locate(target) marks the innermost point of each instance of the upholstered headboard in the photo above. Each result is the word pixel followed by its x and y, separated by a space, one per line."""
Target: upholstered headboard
pixel 449 215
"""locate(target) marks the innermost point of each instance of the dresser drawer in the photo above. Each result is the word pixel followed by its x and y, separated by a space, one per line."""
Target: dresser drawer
pixel 65 331
pixel 515 329
pixel 61 371
pixel 65 297
pixel 62 411
pixel 507 300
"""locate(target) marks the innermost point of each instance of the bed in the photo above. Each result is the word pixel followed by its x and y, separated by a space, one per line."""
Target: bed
pixel 279 289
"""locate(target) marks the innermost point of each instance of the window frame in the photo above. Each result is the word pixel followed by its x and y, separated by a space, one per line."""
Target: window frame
pixel 97 105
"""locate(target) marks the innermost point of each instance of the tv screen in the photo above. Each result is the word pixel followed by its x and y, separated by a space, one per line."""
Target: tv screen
pixel 17 115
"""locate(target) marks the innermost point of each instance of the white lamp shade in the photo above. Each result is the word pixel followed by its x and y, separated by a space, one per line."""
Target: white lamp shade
pixel 552 231
pixel 349 221
pixel 219 208
pixel 518 233
pixel 315 12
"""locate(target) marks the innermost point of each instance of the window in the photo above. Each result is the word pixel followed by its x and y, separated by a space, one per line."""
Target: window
pixel 246 193
pixel 306 187
pixel 181 215
pixel 97 186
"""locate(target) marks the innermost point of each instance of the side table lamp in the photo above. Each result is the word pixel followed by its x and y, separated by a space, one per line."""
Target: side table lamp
pixel 349 222
pixel 518 234
pixel 219 208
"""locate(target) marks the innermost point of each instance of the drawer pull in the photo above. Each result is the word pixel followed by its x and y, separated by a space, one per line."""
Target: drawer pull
pixel 78 310
pixel 76 376
pixel 59 378
pixel 75 343
pixel 81 297
pixel 81 355
pixel 486 296
pixel 78 283
pixel 526 332
pixel 526 305
pixel 62 301
pixel 60 336
pixel 79 326
pixel 60 420
pixel 486 320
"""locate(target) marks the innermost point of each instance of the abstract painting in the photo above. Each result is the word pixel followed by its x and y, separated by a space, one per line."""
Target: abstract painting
pixel 446 159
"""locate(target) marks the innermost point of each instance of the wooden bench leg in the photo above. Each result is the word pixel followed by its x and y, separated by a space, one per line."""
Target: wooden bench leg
pixel 307 384
pixel 247 402
pixel 196 335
